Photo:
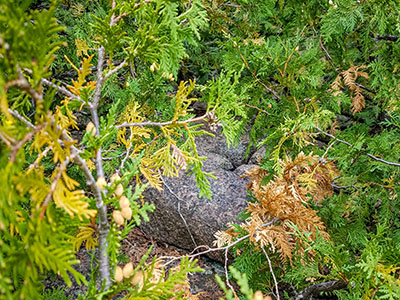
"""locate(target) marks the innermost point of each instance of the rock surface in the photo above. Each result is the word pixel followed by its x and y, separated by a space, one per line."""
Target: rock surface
pixel 180 198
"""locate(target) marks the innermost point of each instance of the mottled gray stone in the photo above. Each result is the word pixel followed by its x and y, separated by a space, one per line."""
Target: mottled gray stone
pixel 258 156
pixel 203 216
pixel 217 144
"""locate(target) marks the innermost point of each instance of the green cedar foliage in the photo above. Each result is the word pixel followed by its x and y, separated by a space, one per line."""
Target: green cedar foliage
pixel 321 66
pixel 97 67
pixel 313 77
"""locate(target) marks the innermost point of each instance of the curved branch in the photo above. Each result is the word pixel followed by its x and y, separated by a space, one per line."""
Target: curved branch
pixel 365 153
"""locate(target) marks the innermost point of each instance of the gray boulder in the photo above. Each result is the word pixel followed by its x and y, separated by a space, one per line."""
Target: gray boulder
pixel 182 218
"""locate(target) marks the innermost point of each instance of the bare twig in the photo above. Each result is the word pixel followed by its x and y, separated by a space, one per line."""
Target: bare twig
pixel 341 187
pixel 62 90
pixel 259 109
pixel 273 274
pixel 102 212
pixel 326 52
pixel 227 275
pixel 100 78
pixel 160 124
pixel 367 154
pixel 40 156
pixel 387 37
pixel 336 69
pixel 317 288
pixel 7 140
pixel 179 210
pixel 115 70
pixel 21 118
pixel 234 5
pixel 114 20
pixel 327 149
pixel 114 157
pixel 127 153
pixel 193 255
pixel 21 143
pixel 117 19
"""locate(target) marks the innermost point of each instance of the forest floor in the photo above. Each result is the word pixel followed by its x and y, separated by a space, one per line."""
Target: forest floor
pixel 202 284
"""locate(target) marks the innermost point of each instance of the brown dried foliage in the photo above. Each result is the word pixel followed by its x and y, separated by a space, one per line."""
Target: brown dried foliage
pixel 348 78
pixel 285 200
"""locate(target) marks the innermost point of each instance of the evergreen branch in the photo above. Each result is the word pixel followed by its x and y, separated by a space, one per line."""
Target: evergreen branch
pixel 365 153
pixel 258 80
pixel 101 208
pixel 161 124
pixel 273 274
pixel 53 186
pixel 317 288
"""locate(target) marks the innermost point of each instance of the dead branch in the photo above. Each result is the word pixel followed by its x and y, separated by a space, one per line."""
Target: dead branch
pixel 365 153
pixel 273 274
pixel 160 124
pixel 317 288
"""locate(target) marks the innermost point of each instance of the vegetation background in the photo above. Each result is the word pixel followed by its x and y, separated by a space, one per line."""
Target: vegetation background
pixel 96 100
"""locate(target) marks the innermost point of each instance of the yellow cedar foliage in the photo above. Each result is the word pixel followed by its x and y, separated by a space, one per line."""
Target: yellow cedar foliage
pixel 81 47
pixel 182 100
pixel 136 134
pixel 349 78
pixel 150 173
pixel 165 157
pixel 87 234
pixel 33 183
pixel 64 195
pixel 283 201
pixel 78 86
pixel 72 201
